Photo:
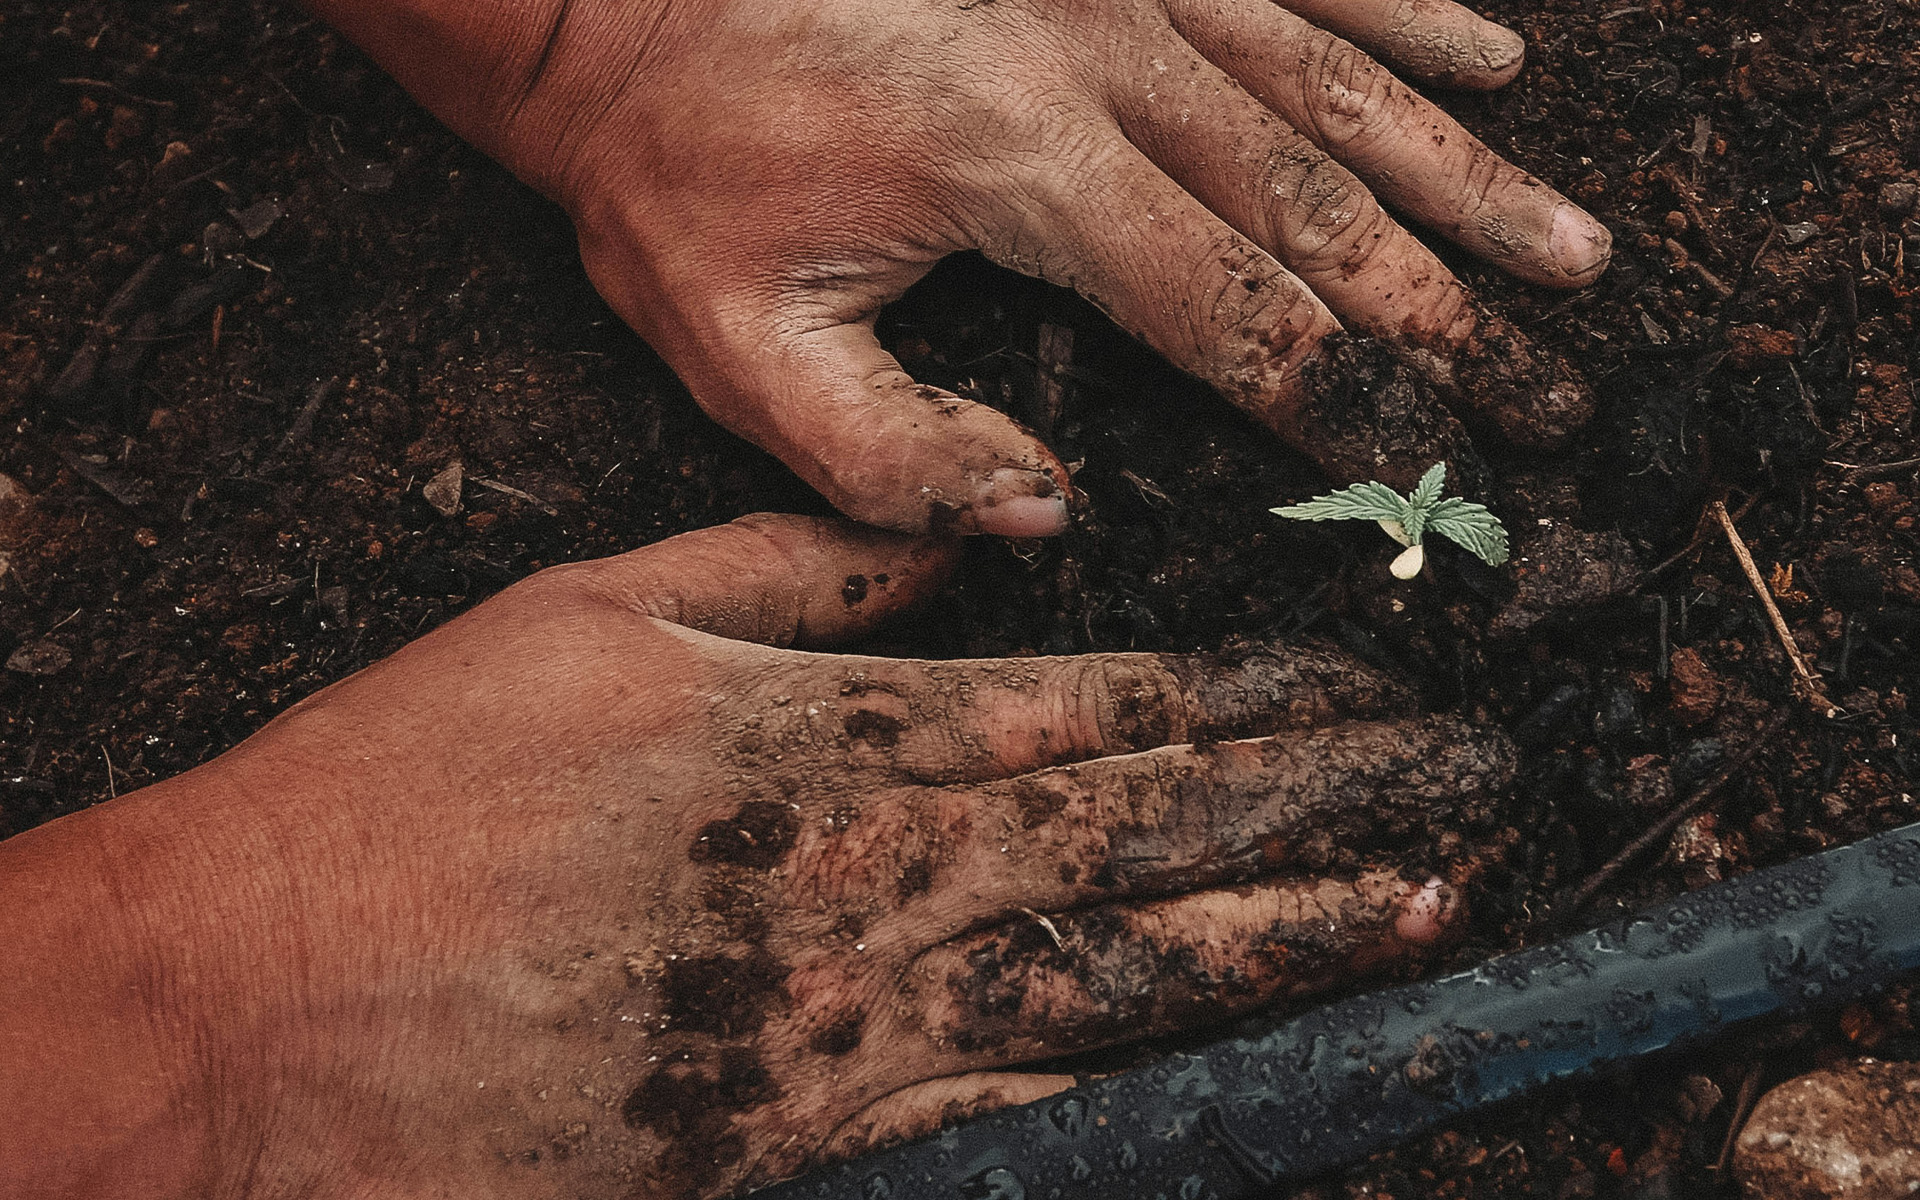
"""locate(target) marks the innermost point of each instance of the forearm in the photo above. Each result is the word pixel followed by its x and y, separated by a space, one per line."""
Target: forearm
pixel 482 66
pixel 93 1095
pixel 470 63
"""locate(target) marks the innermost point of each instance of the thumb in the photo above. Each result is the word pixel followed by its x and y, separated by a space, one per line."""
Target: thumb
pixel 780 580
pixel 841 412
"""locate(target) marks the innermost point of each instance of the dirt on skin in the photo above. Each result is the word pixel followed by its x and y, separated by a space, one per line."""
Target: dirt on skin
pixel 257 300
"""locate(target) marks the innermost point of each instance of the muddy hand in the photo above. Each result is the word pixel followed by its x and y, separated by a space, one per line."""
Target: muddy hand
pixel 751 181
pixel 580 896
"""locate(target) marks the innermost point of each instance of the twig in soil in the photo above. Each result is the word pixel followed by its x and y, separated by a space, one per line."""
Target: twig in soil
pixel 1868 472
pixel 1666 825
pixel 1807 680
pixel 302 427
pixel 1806 402
pixel 116 89
pixel 1742 1109
pixel 516 493
pixel 1699 537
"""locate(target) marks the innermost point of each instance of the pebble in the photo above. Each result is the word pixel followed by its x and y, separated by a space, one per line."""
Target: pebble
pixel 1849 1131
pixel 1694 690
pixel 39 658
pixel 443 490
pixel 1898 199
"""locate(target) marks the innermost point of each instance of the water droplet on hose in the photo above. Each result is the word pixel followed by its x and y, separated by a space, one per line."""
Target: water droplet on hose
pixel 1069 1116
pixel 994 1183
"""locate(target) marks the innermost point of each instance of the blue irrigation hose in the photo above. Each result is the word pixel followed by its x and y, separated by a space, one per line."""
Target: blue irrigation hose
pixel 1331 1087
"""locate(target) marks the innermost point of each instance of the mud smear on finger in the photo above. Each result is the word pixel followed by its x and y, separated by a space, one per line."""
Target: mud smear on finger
pixel 1378 410
pixel 1530 394
pixel 1369 415
pixel 1314 801
pixel 1109 975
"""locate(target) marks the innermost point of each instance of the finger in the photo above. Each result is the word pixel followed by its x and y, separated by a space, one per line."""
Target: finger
pixel 948 860
pixel 1192 816
pixel 1114 227
pixel 786 357
pixel 953 722
pixel 1272 184
pixel 1415 157
pixel 776 579
pixel 838 409
pixel 1047 986
pixel 1435 41
pixel 925 1108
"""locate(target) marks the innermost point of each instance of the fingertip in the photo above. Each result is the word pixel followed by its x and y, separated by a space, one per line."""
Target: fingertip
pixel 1498 54
pixel 1019 503
pixel 1581 246
pixel 1429 913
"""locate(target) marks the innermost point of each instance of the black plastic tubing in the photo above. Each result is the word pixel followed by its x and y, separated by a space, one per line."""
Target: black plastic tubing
pixel 1329 1088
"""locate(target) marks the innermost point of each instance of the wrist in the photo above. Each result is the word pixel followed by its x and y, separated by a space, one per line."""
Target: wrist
pixel 98 1094
pixel 522 80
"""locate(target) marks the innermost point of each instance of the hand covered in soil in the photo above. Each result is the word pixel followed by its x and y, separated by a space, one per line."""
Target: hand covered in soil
pixel 588 894
pixel 751 181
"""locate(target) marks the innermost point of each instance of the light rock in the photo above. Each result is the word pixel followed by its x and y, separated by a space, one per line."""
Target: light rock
pixel 39 658
pixel 443 490
pixel 1851 1131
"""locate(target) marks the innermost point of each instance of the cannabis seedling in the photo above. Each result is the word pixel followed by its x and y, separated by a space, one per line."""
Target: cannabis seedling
pixel 1406 518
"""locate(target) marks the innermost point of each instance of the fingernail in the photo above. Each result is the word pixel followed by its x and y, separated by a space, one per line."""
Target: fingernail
pixel 1579 244
pixel 1018 503
pixel 1498 46
pixel 1426 915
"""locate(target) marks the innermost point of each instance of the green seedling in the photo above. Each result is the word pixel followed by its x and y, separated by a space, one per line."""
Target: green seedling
pixel 1407 518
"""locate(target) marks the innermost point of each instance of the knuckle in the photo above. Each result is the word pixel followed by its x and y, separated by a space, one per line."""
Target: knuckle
pixel 1252 324
pixel 1348 93
pixel 1132 702
pixel 1336 225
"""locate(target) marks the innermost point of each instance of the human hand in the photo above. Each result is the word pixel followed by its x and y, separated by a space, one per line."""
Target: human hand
pixel 578 896
pixel 752 182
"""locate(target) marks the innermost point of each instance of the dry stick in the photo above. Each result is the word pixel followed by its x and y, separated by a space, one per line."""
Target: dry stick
pixel 1742 1109
pixel 1699 536
pixel 1871 471
pixel 1807 679
pixel 1666 825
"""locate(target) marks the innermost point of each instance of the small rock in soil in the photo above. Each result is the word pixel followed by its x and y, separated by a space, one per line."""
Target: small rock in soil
pixel 1694 691
pixel 1751 346
pixel 39 658
pixel 1898 199
pixel 1851 1131
pixel 257 218
pixel 443 490
pixel 1558 569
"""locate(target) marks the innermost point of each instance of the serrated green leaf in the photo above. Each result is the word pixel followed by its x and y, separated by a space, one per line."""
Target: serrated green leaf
pixel 1362 502
pixel 1472 526
pixel 1427 492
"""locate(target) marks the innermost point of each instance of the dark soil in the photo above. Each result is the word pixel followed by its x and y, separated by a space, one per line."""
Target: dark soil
pixel 258 300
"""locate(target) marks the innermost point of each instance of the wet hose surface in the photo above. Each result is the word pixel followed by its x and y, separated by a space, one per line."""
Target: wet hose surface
pixel 1339 1083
